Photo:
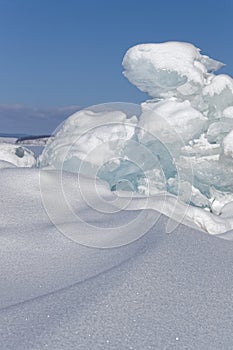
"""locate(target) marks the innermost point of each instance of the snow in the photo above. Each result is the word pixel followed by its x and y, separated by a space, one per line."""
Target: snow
pixel 159 69
pixel 177 141
pixel 5 164
pixel 228 112
pixel 33 141
pixel 16 155
pixel 228 145
pixel 170 118
pixel 8 139
pixel 59 294
pixel 170 146
pixel 88 131
pixel 119 236
pixel 218 84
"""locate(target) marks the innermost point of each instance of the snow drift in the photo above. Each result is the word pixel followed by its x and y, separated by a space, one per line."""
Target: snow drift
pixel 159 291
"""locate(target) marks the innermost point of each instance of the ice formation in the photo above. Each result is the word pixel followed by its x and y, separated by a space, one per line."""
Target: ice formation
pixel 168 69
pixel 182 141
pixel 15 155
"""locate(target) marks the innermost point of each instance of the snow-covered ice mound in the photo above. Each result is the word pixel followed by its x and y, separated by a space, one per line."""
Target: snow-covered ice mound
pixel 159 291
pixel 168 69
pixel 162 201
pixel 15 155
pixel 180 142
pixel 197 105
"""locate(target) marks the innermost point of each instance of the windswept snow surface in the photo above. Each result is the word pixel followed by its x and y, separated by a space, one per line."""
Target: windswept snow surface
pixel 159 291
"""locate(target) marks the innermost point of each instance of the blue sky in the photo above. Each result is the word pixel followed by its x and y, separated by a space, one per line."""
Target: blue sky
pixel 69 52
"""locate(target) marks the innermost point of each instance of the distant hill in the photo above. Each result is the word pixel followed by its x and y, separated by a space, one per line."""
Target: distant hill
pixel 31 137
pixel 33 140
